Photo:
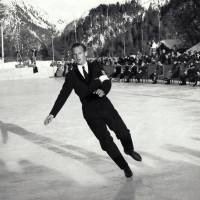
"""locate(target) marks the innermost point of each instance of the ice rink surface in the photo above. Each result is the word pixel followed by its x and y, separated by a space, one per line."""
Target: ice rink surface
pixel 63 161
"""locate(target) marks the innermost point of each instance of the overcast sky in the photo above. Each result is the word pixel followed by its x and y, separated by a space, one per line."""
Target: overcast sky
pixel 70 9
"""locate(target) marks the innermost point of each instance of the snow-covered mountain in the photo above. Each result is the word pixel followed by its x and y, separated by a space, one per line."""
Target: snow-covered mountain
pixel 115 28
pixel 103 23
pixel 26 27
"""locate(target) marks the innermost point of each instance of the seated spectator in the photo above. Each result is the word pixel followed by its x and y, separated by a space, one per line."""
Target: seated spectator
pixel 154 77
pixel 117 71
pixel 168 77
pixel 196 72
pixel 173 73
pixel 175 70
pixel 125 74
pixel 183 73
pixel 133 71
pixel 191 72
pixel 142 71
pixel 158 71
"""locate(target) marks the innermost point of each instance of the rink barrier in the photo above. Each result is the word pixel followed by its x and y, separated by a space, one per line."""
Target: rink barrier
pixel 163 72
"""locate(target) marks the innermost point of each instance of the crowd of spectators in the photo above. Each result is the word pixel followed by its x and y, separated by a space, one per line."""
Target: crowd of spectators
pixel 168 66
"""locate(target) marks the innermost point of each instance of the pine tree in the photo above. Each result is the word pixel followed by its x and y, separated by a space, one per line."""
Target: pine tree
pixel 185 17
pixel 2 10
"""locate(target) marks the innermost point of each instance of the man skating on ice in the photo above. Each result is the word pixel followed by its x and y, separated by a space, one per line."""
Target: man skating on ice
pixel 92 85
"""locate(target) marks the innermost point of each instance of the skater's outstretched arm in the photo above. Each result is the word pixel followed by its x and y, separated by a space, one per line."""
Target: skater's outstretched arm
pixel 63 95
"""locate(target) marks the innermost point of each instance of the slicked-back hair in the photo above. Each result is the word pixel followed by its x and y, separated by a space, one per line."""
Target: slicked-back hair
pixel 78 44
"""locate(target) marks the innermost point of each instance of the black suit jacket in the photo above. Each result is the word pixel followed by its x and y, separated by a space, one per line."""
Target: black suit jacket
pixel 91 103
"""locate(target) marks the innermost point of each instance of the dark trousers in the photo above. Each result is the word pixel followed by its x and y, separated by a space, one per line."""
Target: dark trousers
pixel 113 120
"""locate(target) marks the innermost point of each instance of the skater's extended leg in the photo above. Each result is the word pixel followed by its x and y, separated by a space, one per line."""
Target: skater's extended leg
pixel 116 124
pixel 100 130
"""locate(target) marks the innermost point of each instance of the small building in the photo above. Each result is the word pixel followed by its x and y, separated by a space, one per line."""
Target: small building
pixel 195 48
pixel 172 44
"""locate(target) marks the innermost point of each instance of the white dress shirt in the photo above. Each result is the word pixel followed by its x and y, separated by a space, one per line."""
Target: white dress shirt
pixel 102 78
pixel 80 68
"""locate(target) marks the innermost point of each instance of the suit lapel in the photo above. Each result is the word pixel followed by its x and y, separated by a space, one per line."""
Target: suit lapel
pixel 90 71
pixel 78 73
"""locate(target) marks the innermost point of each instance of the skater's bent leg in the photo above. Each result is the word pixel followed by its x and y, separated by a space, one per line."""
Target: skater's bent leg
pixel 100 130
pixel 117 125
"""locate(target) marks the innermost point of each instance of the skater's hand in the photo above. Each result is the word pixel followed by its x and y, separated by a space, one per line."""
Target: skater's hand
pixel 48 119
pixel 99 92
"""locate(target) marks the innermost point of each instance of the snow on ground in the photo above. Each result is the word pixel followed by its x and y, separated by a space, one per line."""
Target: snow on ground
pixel 8 71
pixel 64 160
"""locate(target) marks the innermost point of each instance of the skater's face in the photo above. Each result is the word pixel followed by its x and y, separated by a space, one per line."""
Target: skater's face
pixel 79 55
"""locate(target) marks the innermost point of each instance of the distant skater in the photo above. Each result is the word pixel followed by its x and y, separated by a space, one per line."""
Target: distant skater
pixel 92 85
